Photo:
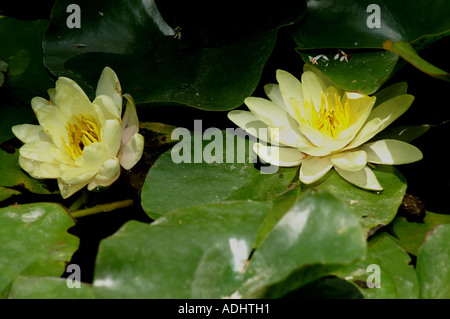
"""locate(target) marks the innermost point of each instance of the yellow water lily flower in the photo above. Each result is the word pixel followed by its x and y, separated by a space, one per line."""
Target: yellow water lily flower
pixel 319 126
pixel 80 142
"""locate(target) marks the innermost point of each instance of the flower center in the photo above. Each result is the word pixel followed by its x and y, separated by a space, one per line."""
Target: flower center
pixel 331 118
pixel 81 131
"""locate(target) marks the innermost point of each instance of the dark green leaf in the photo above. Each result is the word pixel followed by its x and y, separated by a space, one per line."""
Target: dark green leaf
pixel 133 38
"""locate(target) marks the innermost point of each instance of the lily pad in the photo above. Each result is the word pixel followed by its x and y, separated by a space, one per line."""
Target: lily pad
pixel 348 25
pixel 318 231
pixel 25 287
pixel 373 209
pixel 22 51
pixel 411 235
pixel 35 242
pixel 433 267
pixel 195 252
pixel 397 278
pixel 156 62
pixel 227 175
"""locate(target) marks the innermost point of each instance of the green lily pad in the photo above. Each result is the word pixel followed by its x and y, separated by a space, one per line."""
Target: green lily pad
pixel 331 25
pixel 25 287
pixel 373 209
pixel 153 61
pixel 195 252
pixel 411 235
pixel 170 185
pixel 22 50
pixel 35 242
pixel 433 267
pixel 397 278
pixel 318 231
pixel 407 52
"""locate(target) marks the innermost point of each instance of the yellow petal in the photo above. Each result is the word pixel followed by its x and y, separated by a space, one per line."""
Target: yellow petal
pixel 279 156
pixel 350 161
pixel 391 91
pixel 93 157
pixel 131 152
pixel 68 190
pixel 314 168
pixel 70 98
pixel 111 136
pixel 41 151
pixel 109 108
pixel 363 178
pixel 109 85
pixel 77 176
pixel 107 175
pixel 28 133
pixel 391 152
pixel 290 88
pixel 313 88
pixel 38 169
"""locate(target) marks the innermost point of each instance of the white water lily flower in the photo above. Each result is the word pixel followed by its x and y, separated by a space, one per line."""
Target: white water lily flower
pixel 80 142
pixel 318 126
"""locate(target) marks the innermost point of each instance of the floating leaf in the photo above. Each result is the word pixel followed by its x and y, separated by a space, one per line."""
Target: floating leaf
pixel 411 235
pixel 397 278
pixel 153 63
pixel 407 52
pixel 373 209
pixel 227 174
pixel 22 51
pixel 319 230
pixel 35 242
pixel 195 252
pixel 348 25
pixel 25 287
pixel 433 267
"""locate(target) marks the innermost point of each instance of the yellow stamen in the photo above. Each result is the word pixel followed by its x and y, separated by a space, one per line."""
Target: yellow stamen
pixel 81 132
pixel 331 118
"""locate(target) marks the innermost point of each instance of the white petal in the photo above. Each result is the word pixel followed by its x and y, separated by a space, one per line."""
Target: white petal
pixel 131 152
pixel 391 91
pixel 279 156
pixel 290 88
pixel 312 88
pixel 68 190
pixel 77 176
pixel 111 136
pixel 381 117
pixel 363 178
pixel 327 83
pixel 250 124
pixel 109 108
pixel 107 175
pixel 391 152
pixel 38 169
pixel 93 157
pixel 51 119
pixel 28 133
pixel 109 85
pixel 350 161
pixel 268 112
pixel 70 98
pixel 40 151
pixel 274 94
pixel 314 168
pixel 130 121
